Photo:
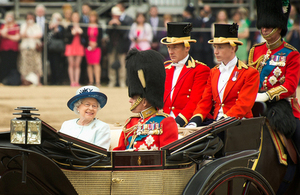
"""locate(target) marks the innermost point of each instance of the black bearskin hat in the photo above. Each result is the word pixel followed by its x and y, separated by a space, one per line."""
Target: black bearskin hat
pixel 146 76
pixel 273 14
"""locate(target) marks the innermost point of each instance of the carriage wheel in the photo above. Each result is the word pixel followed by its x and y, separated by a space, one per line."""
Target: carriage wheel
pixel 239 181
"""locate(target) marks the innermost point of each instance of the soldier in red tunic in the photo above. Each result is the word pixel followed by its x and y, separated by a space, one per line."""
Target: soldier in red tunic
pixel 185 77
pixel 232 86
pixel 150 129
pixel 279 66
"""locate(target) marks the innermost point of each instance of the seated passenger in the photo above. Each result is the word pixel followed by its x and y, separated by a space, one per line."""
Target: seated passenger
pixel 150 129
pixel 86 103
pixel 232 86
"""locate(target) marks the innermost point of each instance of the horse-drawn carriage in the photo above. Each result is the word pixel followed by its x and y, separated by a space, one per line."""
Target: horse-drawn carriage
pixel 47 162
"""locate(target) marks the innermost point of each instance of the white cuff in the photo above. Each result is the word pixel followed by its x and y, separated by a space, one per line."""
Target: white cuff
pixel 262 97
pixel 191 125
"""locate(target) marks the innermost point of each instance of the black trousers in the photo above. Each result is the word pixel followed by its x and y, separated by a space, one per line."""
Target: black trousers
pixel 8 63
pixel 57 68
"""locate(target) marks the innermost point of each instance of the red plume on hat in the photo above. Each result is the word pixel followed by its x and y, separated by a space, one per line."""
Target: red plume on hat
pixel 273 14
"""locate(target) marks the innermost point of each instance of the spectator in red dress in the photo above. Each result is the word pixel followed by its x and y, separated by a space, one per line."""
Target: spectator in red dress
pixel 74 49
pixel 93 37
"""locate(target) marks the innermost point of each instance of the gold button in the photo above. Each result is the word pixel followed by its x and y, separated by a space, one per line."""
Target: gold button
pixel 266 77
pixel 190 90
pixel 222 105
pixel 173 107
pixel 238 92
pixel 188 96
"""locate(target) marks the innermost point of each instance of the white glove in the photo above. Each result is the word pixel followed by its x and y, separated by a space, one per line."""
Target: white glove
pixel 191 125
pixel 262 97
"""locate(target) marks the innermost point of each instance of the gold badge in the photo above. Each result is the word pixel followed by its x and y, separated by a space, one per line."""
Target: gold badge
pixel 282 79
pixel 273 80
pixel 277 72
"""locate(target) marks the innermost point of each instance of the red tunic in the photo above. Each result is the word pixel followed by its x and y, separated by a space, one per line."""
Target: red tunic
pixel 148 142
pixel 282 79
pixel 239 94
pixel 188 90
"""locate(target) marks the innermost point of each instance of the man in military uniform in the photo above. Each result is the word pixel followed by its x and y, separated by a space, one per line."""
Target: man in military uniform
pixel 150 130
pixel 232 86
pixel 185 77
pixel 277 62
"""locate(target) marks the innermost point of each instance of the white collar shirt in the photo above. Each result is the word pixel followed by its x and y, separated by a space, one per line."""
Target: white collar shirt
pixel 154 24
pixel 122 17
pixel 225 72
pixel 41 21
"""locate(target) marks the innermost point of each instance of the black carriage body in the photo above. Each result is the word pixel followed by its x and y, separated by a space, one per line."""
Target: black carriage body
pixel 33 170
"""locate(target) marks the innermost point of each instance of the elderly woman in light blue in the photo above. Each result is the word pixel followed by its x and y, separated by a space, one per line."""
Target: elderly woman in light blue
pixel 86 103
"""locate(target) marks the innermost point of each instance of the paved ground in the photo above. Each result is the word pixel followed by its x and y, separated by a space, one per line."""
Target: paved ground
pixel 52 104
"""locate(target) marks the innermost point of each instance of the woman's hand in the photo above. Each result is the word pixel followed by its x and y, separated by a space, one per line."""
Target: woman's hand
pixel 93 45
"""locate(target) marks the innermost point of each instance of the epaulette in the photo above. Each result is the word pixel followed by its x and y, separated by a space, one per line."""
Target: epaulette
pixel 200 63
pixel 216 66
pixel 168 64
pixel 129 119
pixel 168 61
pixel 258 44
pixel 250 56
pixel 191 63
pixel 162 114
pixel 242 65
pixel 286 45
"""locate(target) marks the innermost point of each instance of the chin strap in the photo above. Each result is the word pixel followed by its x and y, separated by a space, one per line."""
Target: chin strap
pixel 270 34
pixel 136 103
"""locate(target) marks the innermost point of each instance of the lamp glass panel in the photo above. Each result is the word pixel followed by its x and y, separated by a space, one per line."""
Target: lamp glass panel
pixel 34 132
pixel 18 131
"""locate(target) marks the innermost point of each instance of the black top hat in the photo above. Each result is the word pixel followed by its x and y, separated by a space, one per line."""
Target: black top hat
pixel 178 32
pixel 226 33
pixel 146 76
pixel 273 14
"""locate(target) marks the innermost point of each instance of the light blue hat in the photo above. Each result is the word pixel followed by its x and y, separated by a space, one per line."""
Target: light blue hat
pixel 85 92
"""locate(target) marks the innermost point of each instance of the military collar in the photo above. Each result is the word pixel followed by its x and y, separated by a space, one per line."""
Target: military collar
pixel 148 112
pixel 274 45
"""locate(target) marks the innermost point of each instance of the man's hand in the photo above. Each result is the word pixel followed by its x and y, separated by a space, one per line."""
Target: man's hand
pixel 262 97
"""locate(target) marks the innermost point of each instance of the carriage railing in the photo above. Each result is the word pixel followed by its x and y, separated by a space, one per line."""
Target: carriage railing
pixel 198 136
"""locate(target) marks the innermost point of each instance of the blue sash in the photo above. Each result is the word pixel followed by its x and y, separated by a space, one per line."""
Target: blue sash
pixel 156 119
pixel 274 61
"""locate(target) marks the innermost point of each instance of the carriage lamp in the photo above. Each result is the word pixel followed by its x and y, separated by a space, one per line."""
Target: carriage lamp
pixel 26 130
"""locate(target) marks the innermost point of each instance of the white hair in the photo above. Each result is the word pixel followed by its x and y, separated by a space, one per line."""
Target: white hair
pixel 40 6
pixel 56 15
pixel 79 102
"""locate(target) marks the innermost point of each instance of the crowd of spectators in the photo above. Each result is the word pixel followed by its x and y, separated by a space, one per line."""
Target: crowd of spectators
pixel 94 54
